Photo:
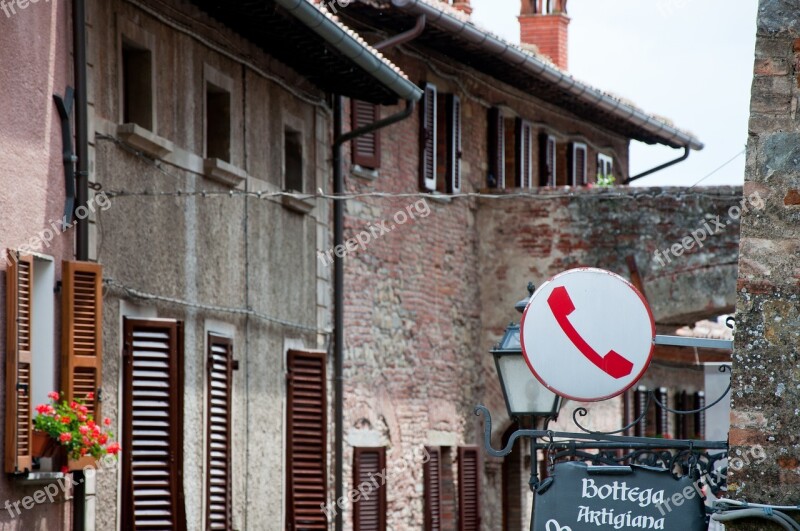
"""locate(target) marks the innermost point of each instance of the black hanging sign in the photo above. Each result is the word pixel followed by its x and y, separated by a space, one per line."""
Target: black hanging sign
pixel 581 498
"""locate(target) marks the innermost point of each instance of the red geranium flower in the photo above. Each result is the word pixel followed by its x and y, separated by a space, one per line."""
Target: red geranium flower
pixel 65 437
pixel 52 395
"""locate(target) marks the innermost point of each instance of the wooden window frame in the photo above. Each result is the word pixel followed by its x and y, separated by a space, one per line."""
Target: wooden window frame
pixel 217 340
pixel 428 138
pixel 579 175
pixel 362 155
pixel 175 334
pixel 380 495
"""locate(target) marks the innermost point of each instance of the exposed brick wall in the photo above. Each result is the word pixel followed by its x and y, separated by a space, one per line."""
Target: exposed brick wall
pixel 549 33
pixel 765 377
pixel 425 302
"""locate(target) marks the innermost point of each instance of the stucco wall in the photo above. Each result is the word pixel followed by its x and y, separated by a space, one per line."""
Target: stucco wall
pixel 34 65
pixel 224 250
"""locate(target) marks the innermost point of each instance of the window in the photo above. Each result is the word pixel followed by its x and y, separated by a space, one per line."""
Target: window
pixel 497 149
pixel 662 415
pixel 366 148
pixel 605 166
pixel 427 139
pixel 549 157
pixel 469 478
pixel 454 154
pixel 152 403
pixel 578 164
pixel 137 85
pixel 219 389
pixel 639 404
pixel 30 365
pixel 293 161
pixel 307 438
pixel 369 512
pixel 524 154
pixel 218 123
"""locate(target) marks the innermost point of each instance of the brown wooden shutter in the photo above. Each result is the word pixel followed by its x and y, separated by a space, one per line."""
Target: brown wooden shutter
pixel 369 512
pixel 497 149
pixel 639 405
pixel 152 431
pixel 19 295
pixel 307 440
pixel 428 139
pixel 454 144
pixel 218 475
pixel 366 148
pixel 82 335
pixel 432 476
pixel 469 478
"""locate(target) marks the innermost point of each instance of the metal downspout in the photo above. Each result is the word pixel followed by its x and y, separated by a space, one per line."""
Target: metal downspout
pixel 686 152
pixel 81 197
pixel 338 280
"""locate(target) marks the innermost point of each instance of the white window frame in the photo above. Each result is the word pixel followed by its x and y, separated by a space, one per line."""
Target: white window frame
pixel 605 165
pixel 579 146
pixel 553 162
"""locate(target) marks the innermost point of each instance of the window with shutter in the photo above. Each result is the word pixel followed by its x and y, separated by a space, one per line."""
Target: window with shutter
pixel 82 335
pixel 548 158
pixel 454 153
pixel 306 448
pixel 152 430
pixel 639 405
pixel 469 477
pixel 524 154
pixel 432 473
pixel 700 416
pixel 366 148
pixel 605 166
pixel 662 415
pixel 428 139
pixel 19 289
pixel 369 512
pixel 218 440
pixel 497 149
pixel 579 164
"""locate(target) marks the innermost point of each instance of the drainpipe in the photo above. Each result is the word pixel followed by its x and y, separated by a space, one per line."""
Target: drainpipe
pixel 338 278
pixel 81 125
pixel 664 166
pixel 81 198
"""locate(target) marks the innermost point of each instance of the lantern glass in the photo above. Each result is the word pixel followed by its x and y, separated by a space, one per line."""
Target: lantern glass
pixel 524 394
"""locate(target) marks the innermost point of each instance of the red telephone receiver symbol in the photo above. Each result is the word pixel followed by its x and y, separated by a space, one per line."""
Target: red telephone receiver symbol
pixel 612 363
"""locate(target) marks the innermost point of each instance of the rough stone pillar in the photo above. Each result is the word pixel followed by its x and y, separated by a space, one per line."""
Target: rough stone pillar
pixel 765 416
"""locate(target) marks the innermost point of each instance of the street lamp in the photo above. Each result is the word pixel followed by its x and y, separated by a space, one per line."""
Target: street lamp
pixel 523 393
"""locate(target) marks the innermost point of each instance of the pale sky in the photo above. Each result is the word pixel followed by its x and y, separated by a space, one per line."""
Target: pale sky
pixel 688 60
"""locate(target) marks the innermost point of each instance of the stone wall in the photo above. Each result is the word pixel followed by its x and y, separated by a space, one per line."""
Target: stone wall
pixel 766 382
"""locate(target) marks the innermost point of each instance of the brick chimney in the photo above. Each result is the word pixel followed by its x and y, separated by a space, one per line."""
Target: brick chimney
pixel 462 5
pixel 545 24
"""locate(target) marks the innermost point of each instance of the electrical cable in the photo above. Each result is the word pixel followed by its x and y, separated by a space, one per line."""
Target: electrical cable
pixel 777 517
pixel 136 294
pixel 536 193
pixel 718 169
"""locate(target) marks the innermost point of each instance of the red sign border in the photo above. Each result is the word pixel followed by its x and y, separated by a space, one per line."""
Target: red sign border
pixel 649 356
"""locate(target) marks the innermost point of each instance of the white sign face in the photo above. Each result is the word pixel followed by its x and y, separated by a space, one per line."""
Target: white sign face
pixel 587 334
